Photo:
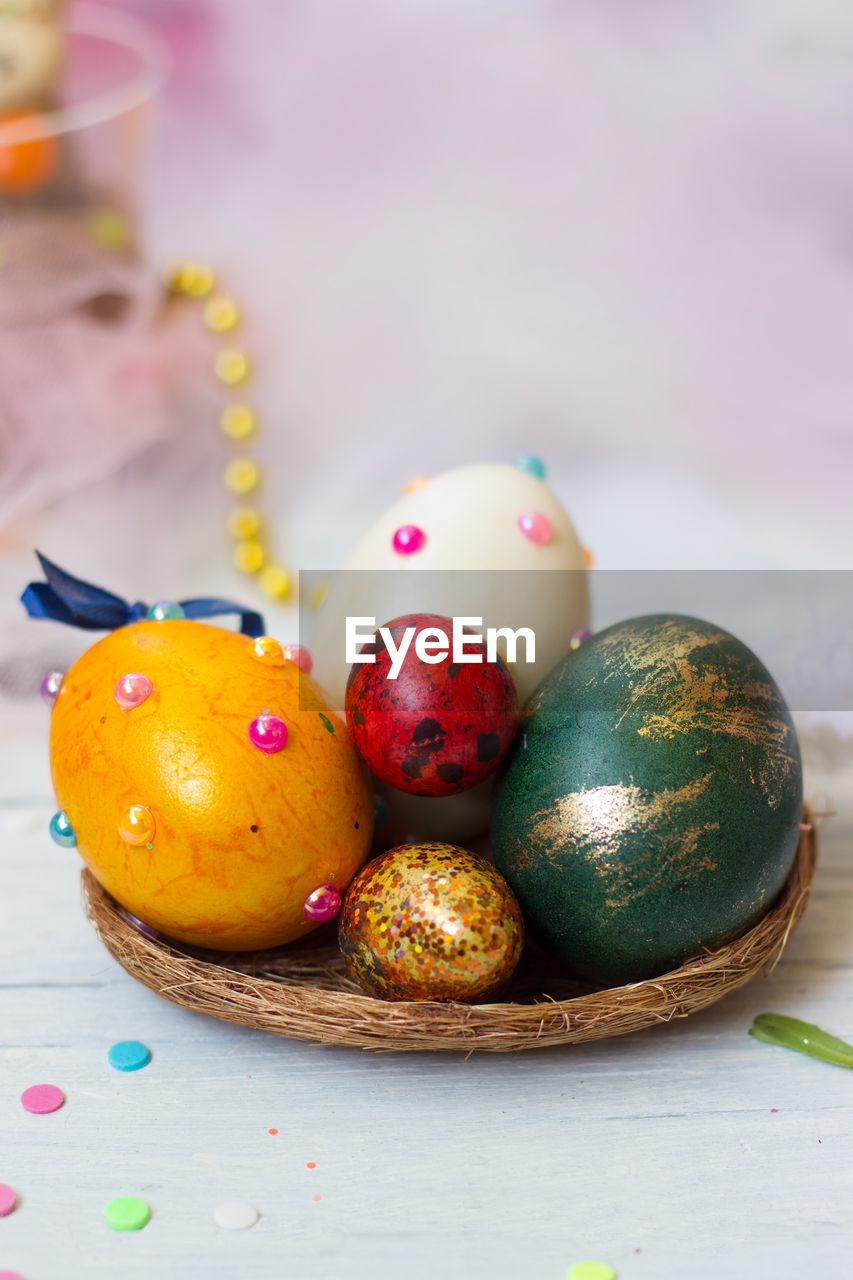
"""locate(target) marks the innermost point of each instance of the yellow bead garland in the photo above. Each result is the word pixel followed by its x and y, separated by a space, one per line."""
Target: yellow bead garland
pixel 238 423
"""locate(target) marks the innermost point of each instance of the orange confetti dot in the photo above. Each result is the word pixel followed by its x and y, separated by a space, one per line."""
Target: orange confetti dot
pixel 316 1198
pixel 272 1131
pixel 589 558
pixel 310 1165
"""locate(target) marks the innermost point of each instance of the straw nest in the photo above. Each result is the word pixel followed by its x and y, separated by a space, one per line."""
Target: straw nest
pixel 303 992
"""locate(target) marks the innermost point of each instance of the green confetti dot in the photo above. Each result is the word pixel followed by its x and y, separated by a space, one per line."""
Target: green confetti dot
pixel 803 1037
pixel 591 1271
pixel 127 1213
pixel 327 724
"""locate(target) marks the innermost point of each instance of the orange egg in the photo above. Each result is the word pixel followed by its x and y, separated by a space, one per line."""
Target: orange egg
pixel 26 166
pixel 210 792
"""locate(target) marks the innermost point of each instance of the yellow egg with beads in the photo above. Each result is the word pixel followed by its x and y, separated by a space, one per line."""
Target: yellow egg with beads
pixel 211 785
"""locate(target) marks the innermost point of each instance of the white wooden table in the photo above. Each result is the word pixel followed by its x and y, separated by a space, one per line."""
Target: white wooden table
pixel 687 1151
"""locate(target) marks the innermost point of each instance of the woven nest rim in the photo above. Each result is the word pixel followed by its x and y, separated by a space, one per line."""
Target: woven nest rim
pixel 303 993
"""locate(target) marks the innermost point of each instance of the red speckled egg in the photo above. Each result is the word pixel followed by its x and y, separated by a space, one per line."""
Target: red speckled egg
pixel 430 922
pixel 438 727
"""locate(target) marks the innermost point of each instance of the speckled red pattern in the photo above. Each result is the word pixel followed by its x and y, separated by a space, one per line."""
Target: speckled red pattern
pixel 438 728
pixel 430 922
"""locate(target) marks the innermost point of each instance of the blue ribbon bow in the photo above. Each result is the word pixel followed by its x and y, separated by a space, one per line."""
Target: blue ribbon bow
pixel 80 604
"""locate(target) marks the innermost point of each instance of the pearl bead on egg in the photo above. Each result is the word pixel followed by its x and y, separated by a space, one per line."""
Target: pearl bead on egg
pixel 165 609
pixel 147 930
pixel 51 685
pixel 269 651
pixel 136 825
pixel 532 465
pixel 299 654
pixel 536 527
pixel 322 904
pixel 408 539
pixel 132 690
pixel 268 733
pixel 61 830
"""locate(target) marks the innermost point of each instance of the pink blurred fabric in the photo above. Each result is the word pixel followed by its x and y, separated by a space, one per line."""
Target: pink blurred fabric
pixel 91 364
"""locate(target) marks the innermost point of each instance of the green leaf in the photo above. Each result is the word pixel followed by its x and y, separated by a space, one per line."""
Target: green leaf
pixel 803 1037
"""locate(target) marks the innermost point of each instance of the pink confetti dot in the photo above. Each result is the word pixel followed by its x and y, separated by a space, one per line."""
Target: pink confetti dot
pixel 42 1098
pixel 408 539
pixel 536 527
pixel 11 1275
pixel 8 1200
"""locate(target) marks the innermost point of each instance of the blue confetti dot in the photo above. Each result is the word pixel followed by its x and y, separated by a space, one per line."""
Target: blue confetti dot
pixel 532 465
pixel 129 1055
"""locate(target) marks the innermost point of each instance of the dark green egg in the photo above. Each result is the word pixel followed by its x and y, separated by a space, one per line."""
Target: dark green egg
pixel 650 805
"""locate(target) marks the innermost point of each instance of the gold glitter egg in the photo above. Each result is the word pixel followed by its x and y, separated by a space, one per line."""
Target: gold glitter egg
pixel 430 922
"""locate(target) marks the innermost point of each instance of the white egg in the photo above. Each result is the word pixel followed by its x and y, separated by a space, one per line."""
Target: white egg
pixel 475 561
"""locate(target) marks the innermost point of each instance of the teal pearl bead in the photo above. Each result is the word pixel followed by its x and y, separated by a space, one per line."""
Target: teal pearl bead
pixel 164 609
pixel 61 830
pixel 532 465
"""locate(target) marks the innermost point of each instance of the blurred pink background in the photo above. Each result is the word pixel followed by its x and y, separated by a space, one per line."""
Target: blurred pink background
pixel 618 236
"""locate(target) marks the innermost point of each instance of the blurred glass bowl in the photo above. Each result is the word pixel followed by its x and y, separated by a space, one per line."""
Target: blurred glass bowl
pixel 84 155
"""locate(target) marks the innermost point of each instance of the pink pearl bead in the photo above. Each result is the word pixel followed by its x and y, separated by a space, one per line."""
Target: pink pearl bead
pixel 299 654
pixel 323 904
pixel 268 733
pixel 536 527
pixel 132 689
pixel 51 685
pixel 408 539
